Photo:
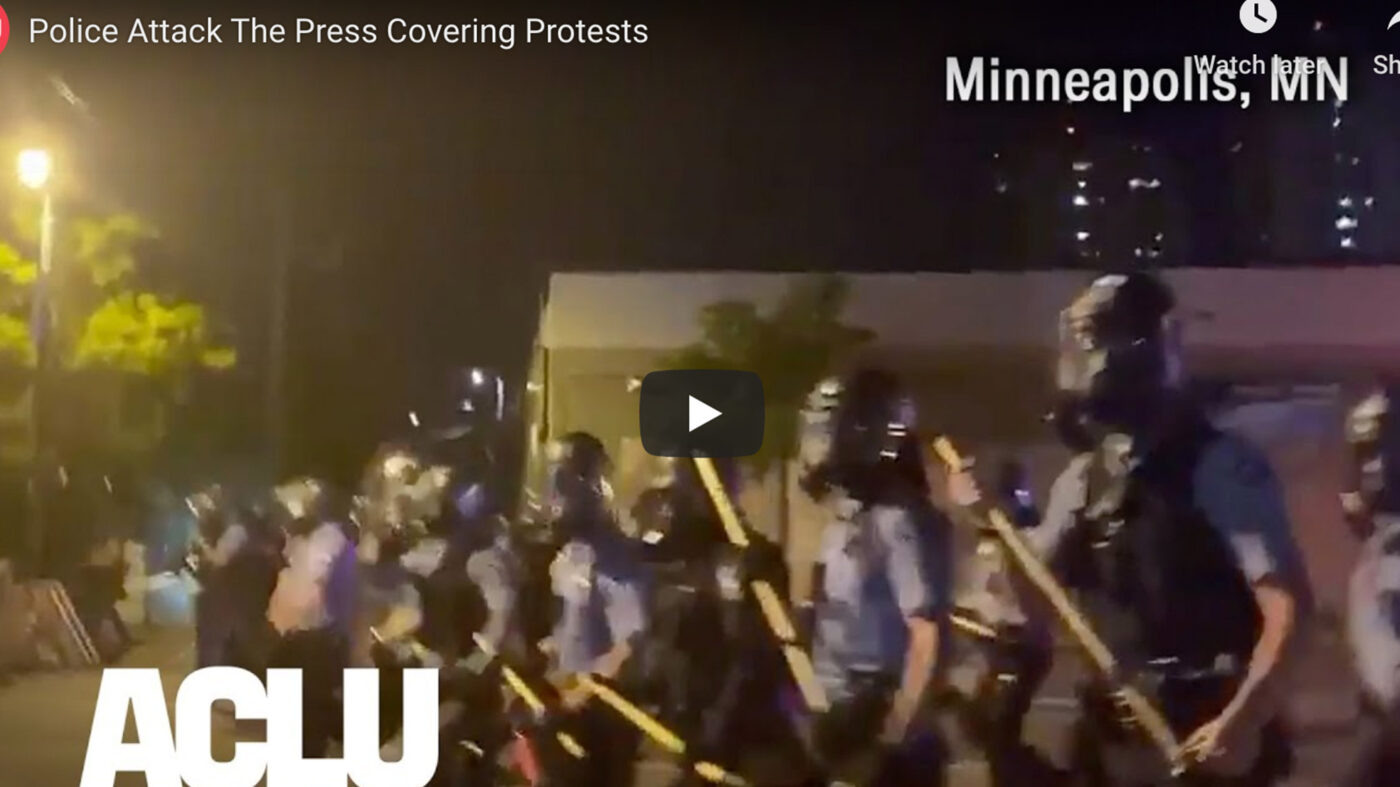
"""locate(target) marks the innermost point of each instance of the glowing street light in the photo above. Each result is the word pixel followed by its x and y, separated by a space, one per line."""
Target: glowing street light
pixel 35 167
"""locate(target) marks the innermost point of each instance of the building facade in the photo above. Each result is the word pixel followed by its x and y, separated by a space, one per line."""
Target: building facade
pixel 976 351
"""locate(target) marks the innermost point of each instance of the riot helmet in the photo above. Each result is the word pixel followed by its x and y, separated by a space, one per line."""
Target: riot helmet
pixel 305 503
pixel 1373 482
pixel 578 494
pixel 1120 349
pixel 401 496
pixel 859 436
pixel 210 508
pixel 677 511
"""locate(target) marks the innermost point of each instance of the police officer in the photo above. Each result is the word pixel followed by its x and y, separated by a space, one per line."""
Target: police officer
pixel 1018 658
pixel 723 677
pixel 884 575
pixel 314 605
pixel 597 579
pixel 391 609
pixel 219 538
pixel 1372 507
pixel 481 564
pixel 459 586
pixel 1164 518
pixel 251 576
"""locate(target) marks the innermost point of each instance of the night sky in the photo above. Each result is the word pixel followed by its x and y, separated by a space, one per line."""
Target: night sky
pixel 429 190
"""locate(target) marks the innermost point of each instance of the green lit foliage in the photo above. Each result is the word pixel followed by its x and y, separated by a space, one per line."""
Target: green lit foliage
pixel 112 342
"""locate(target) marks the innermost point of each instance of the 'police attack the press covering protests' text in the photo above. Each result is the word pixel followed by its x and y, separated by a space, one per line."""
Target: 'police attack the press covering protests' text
pixel 252 30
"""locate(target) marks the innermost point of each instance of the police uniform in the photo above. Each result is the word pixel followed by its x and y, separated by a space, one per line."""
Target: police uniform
pixel 221 538
pixel 598 581
pixel 1167 517
pixel 429 499
pixel 723 681
pixel 313 608
pixel 1373 612
pixel 884 556
pixel 388 591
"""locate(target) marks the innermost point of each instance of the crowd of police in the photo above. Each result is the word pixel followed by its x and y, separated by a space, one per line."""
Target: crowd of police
pixel 1170 535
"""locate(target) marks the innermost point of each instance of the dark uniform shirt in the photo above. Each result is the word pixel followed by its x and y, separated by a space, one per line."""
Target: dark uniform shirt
pixel 1234 488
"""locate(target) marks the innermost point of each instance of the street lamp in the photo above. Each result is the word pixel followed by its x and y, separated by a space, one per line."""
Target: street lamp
pixel 35 167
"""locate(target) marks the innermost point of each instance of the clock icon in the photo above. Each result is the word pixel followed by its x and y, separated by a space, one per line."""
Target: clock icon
pixel 1258 16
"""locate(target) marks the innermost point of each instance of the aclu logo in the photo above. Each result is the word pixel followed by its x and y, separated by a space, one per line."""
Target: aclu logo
pixel 170 759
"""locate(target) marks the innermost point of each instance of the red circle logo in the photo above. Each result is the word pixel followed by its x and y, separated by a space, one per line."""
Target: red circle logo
pixel 4 29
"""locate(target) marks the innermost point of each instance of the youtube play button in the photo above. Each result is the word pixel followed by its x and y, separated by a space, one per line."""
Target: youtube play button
pixel 702 412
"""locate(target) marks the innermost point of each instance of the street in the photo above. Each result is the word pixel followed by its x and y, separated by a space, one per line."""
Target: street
pixel 45 721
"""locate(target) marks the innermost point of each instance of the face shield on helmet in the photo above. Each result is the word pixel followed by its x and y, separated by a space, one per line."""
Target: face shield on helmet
pixel 577 483
pixel 402 494
pixel 1371 434
pixel 210 509
pixel 206 501
pixel 857 432
pixel 1119 348
pixel 304 503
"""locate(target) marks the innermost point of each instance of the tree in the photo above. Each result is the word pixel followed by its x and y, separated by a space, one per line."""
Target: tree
pixel 121 356
pixel 792 348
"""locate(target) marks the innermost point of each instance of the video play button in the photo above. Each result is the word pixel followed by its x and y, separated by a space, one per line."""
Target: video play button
pixel 702 412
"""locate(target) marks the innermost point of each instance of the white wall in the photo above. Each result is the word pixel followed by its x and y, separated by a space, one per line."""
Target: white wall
pixel 1229 308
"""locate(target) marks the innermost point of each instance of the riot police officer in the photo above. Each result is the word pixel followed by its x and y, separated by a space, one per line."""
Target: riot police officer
pixel 884 578
pixel 597 579
pixel 1163 517
pixel 722 676
pixel 219 538
pixel 427 505
pixel 1372 507
pixel 314 605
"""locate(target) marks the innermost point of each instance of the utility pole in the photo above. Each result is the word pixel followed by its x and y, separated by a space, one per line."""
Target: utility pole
pixel 277 336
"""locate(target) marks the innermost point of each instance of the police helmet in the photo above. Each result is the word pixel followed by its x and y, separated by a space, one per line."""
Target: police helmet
pixel 210 507
pixel 1373 434
pixel 859 435
pixel 578 469
pixel 304 503
pixel 401 494
pixel 208 501
pixel 1120 347
pixel 689 498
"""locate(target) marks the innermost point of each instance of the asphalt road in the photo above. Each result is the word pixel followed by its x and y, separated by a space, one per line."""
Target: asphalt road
pixel 45 721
